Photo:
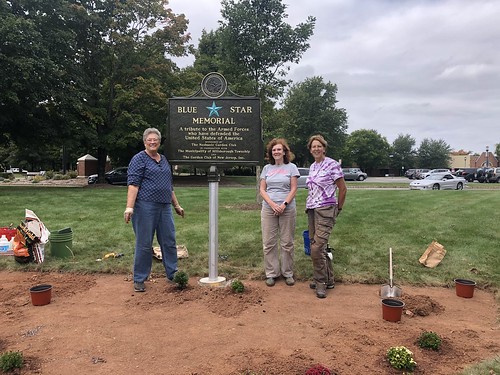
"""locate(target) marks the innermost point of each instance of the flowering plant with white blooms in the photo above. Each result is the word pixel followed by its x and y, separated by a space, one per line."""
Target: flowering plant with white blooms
pixel 401 358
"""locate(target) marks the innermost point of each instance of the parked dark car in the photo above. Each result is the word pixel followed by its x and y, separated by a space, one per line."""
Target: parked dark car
pixel 468 173
pixel 486 175
pixel 355 174
pixel 420 173
pixel 410 173
pixel 117 176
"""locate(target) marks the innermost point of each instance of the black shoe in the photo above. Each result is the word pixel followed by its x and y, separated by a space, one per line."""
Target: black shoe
pixel 321 291
pixel 139 287
pixel 329 285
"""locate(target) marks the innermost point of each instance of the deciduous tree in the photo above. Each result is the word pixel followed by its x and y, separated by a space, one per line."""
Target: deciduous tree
pixel 256 42
pixel 403 152
pixel 368 149
pixel 434 154
pixel 310 108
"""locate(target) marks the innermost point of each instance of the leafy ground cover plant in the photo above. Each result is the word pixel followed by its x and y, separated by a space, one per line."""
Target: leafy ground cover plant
pixel 237 286
pixel 11 360
pixel 401 358
pixel 181 279
pixel 429 340
pixel 318 370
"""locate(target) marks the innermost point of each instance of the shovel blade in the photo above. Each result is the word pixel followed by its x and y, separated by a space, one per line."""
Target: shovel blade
pixel 388 291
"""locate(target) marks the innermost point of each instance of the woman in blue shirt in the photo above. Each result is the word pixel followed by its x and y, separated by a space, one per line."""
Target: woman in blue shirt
pixel 150 198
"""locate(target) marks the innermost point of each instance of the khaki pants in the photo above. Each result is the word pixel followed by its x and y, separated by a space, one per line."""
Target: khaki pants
pixel 278 229
pixel 321 222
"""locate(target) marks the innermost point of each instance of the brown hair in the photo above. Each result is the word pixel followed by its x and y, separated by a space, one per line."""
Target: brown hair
pixel 318 138
pixel 288 155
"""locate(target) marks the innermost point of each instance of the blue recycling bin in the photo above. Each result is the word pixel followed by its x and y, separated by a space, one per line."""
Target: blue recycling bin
pixel 307 243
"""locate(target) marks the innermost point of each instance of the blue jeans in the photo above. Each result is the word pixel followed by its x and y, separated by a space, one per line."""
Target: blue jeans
pixel 148 218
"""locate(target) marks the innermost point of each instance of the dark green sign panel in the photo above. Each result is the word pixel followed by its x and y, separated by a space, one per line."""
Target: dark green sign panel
pixel 214 131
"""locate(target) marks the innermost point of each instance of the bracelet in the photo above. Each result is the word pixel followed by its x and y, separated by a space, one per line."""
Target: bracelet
pixel 177 206
pixel 129 210
pixel 339 208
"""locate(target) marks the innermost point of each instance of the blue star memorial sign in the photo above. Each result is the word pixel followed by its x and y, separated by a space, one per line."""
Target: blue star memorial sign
pixel 214 110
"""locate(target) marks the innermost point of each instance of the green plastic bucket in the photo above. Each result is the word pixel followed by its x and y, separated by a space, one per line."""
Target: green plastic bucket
pixel 61 243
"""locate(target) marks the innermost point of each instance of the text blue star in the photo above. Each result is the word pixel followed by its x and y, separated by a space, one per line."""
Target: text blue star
pixel 214 110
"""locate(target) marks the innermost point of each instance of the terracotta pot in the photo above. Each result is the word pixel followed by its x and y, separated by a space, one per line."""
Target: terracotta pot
pixel 392 309
pixel 41 294
pixel 464 288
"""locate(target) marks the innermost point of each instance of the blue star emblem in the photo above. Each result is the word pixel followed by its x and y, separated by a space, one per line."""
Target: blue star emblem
pixel 214 110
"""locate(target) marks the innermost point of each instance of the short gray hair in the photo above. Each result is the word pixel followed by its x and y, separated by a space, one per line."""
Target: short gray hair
pixel 148 131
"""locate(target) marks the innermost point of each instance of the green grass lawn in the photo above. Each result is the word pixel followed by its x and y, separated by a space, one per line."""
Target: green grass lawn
pixel 464 222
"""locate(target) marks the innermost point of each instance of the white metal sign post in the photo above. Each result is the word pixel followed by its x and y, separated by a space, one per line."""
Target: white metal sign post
pixel 213 224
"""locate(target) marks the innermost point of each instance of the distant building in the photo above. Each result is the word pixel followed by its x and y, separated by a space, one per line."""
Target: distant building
pixel 460 159
pixel 465 159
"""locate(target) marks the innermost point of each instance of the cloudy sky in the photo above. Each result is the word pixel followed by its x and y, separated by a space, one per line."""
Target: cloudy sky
pixel 428 68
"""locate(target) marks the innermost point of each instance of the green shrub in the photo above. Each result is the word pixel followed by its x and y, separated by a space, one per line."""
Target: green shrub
pixel 401 358
pixel 49 174
pixel 57 176
pixel 37 179
pixel 429 340
pixel 181 279
pixel 73 174
pixel 11 360
pixel 237 286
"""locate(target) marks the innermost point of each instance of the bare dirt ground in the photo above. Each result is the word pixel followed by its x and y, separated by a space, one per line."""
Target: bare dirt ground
pixel 96 324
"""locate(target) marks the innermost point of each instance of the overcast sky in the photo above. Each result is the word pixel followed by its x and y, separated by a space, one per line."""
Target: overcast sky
pixel 427 68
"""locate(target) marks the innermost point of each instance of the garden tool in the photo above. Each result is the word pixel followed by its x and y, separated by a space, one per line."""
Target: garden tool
pixel 391 290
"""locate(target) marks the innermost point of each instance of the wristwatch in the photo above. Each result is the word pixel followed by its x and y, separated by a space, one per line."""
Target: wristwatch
pixel 285 203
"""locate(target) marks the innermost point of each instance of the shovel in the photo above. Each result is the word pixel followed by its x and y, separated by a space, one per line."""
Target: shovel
pixel 390 291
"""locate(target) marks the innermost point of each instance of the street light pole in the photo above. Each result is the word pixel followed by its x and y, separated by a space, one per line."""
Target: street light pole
pixel 465 161
pixel 487 156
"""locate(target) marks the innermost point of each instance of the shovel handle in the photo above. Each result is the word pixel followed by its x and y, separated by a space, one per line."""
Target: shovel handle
pixel 390 266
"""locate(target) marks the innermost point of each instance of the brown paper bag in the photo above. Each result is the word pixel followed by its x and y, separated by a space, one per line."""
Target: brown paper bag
pixel 182 252
pixel 433 255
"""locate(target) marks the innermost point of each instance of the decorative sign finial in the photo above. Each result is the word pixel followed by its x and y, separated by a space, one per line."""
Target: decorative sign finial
pixel 214 85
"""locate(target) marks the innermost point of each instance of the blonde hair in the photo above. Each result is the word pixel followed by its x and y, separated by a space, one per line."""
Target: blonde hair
pixel 319 138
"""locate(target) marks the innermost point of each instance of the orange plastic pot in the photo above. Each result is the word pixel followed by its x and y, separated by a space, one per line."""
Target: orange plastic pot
pixel 464 288
pixel 41 294
pixel 392 309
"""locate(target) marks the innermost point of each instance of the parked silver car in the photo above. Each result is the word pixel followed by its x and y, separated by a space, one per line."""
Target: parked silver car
pixel 301 181
pixel 439 181
pixel 355 174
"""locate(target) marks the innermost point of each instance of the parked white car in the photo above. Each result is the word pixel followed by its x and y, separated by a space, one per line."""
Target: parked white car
pixel 439 181
pixel 433 171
